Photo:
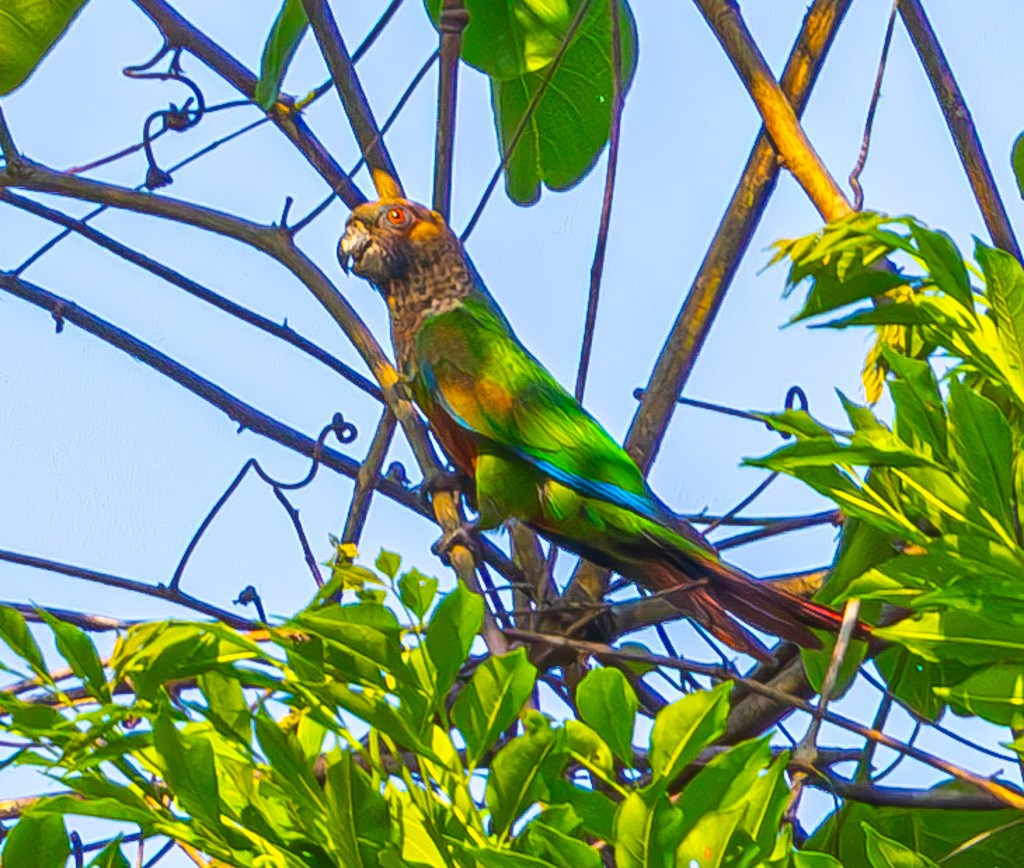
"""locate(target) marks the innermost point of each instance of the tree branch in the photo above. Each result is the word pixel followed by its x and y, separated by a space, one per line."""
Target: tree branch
pixel 350 90
pixel 961 125
pixel 897 797
pixel 7 147
pixel 454 19
pixel 366 479
pixel 180 32
pixel 780 120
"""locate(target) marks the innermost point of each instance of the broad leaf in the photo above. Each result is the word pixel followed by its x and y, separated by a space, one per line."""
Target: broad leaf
pixel 28 30
pixel 285 36
pixel 647 831
pixel 608 703
pixel 37 841
pixel 684 728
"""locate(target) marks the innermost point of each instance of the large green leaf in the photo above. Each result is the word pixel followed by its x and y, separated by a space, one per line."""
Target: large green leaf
pixel 996 837
pixel 517 775
pixel 884 852
pixel 683 729
pixel 492 699
pixel 647 831
pixel 285 36
pixel 1004 292
pixel 995 693
pixel 37 841
pixel 608 703
pixel 451 632
pixel 28 30
pixel 515 43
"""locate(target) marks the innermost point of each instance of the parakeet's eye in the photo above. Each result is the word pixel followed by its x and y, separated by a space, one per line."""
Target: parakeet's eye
pixel 396 216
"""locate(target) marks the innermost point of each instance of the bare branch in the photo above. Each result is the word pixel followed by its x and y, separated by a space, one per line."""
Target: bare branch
pixel 7 147
pixel 897 797
pixel 179 32
pixel 961 125
pixel 369 472
pixel 350 90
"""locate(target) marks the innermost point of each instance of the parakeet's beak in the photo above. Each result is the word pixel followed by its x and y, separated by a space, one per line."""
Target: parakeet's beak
pixel 353 245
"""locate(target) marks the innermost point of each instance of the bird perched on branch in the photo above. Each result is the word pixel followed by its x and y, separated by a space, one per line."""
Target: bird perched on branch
pixel 532 452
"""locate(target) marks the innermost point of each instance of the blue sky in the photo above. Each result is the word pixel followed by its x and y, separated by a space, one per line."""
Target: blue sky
pixel 106 464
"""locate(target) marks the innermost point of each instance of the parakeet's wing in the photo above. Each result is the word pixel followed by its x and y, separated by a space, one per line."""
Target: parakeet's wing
pixel 476 370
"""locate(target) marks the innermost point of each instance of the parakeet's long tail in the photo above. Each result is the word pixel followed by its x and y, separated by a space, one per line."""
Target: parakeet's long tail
pixel 717 594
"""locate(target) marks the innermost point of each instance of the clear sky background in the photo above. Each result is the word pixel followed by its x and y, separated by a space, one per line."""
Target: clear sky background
pixel 106 464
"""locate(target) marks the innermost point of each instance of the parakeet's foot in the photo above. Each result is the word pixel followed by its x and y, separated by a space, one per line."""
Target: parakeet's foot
pixel 466 534
pixel 437 479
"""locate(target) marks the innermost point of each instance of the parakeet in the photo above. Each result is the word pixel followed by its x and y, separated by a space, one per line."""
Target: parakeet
pixel 532 452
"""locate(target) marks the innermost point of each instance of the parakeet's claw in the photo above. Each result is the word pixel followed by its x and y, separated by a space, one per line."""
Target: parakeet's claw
pixel 437 479
pixel 466 534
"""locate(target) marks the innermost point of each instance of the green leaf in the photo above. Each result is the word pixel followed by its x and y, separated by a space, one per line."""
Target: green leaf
pixel 831 290
pixel 28 30
pixel 884 852
pixel 186 762
pixel 1004 294
pixel 608 704
pixel 37 841
pixel 492 700
pixel 920 415
pixel 995 693
pixel 944 262
pixel 451 632
pixel 684 728
pixel 357 813
pixel 995 837
pixel 647 831
pixel 586 743
pixel 1017 161
pixel 708 843
pixel 110 856
pixel 78 649
pixel 227 708
pixel 388 563
pixel 958 636
pixel 285 36
pixel 417 592
pixel 517 775
pixel 982 442
pixel 554 838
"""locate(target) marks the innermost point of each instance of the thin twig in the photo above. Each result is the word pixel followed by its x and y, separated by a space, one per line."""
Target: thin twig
pixel 782 526
pixel 961 125
pixel 180 32
pixel 161 592
pixel 865 143
pixel 805 754
pixel 350 89
pixel 369 472
pixel 597 267
pixel 454 19
pixel 7 147
pixel 175 278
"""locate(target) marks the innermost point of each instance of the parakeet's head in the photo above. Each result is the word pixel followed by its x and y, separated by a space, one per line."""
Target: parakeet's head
pixel 383 240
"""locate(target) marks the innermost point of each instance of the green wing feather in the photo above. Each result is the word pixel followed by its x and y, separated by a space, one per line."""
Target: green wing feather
pixel 473 366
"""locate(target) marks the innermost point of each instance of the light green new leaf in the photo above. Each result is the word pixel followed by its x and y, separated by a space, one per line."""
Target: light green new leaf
pixel 357 812
pixel 492 700
pixel 708 842
pixel 957 636
pixel 1004 293
pixel 28 30
pixel 227 708
pixel 388 563
pixel 684 728
pixel 884 852
pixel 608 704
pixel 285 36
pixel 37 841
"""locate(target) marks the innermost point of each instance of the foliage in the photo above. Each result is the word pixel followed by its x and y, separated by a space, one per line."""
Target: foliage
pixel 945 483
pixel 365 734
pixel 28 30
